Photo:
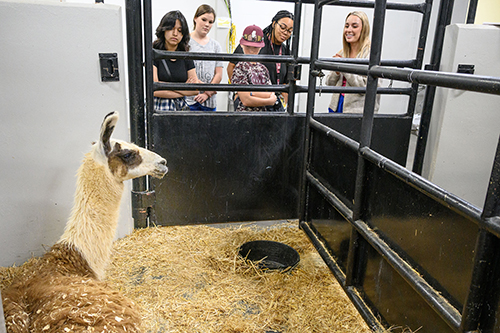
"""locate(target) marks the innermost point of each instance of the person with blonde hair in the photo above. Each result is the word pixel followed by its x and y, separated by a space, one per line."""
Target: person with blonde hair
pixel 356 44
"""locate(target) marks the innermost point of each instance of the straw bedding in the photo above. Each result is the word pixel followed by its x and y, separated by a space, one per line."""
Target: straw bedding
pixel 191 279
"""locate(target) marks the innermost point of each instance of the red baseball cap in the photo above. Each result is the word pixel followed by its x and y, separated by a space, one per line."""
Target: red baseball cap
pixel 252 36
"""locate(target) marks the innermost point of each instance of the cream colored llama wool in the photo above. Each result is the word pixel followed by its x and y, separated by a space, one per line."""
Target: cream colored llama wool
pixel 64 291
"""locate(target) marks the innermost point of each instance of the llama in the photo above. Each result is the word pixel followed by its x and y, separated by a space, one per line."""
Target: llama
pixel 64 292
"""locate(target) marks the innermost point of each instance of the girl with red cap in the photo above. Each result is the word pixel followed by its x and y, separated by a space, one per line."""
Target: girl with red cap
pixel 252 73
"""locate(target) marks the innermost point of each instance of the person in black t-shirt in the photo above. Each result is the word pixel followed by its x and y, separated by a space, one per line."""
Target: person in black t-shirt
pixel 173 35
pixel 276 39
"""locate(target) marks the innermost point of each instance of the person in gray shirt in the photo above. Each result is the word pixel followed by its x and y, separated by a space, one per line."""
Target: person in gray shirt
pixel 207 71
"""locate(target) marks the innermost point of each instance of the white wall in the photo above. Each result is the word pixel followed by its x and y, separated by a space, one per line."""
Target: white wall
pixel 52 105
pixel 465 126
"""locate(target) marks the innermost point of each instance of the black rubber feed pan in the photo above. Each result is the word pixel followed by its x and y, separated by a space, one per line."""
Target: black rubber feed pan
pixel 270 255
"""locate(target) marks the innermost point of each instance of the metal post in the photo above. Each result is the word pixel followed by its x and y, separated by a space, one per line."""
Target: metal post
pixel 356 260
pixel 148 54
pixel 444 19
pixel 471 14
pixel 486 254
pixel 311 96
pixel 295 54
pixel 136 99
pixel 424 28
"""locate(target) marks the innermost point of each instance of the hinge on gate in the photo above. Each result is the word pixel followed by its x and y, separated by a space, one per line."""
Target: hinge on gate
pixel 143 208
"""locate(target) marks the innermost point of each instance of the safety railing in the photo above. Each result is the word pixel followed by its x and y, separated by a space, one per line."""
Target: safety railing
pixel 469 318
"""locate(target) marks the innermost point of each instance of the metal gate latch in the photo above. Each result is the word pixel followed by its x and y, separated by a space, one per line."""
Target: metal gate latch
pixel 143 207
pixel 109 67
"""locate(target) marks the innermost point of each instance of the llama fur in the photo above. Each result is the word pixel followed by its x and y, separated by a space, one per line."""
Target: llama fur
pixel 64 291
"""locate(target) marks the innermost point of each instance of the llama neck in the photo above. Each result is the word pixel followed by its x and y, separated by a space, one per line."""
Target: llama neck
pixel 92 225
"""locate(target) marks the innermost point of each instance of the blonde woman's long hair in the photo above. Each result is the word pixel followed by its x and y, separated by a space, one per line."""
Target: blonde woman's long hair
pixel 364 37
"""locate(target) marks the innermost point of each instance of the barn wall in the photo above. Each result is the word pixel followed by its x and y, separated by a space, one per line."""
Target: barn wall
pixel 52 105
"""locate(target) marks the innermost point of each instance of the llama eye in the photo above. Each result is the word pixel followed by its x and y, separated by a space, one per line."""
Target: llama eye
pixel 127 156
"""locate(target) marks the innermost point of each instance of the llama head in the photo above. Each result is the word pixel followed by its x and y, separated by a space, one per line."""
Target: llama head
pixel 126 160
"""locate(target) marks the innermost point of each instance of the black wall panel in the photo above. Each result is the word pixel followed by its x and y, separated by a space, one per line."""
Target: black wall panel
pixel 234 167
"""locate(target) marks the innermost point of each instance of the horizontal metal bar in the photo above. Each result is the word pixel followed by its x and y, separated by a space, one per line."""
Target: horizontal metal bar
pixel 276 88
pixel 418 7
pixel 442 307
pixel 485 84
pixel 356 90
pixel 342 67
pixel 329 132
pixel 423 185
pixel 330 197
pixel 492 224
pixel 358 301
pixel 159 54
pixel 219 87
pixel 364 61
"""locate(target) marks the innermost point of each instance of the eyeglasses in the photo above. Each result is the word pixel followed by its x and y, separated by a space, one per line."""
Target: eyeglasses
pixel 284 27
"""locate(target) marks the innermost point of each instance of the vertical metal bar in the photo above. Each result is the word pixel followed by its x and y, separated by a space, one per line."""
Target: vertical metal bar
pixel 486 252
pixel 148 61
pixel 444 19
pixel 148 55
pixel 356 258
pixel 135 71
pixel 295 53
pixel 136 97
pixel 471 14
pixel 311 97
pixel 424 29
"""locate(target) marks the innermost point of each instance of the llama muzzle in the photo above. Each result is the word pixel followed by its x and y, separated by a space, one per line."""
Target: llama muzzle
pixel 161 169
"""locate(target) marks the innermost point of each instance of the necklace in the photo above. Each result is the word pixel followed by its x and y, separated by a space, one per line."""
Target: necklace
pixel 278 64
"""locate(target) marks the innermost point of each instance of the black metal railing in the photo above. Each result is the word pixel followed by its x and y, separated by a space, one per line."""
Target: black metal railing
pixel 480 306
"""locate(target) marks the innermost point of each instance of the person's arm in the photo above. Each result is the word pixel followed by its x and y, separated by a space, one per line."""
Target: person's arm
pixel 164 93
pixel 285 96
pixel 232 64
pixel 354 80
pixel 192 78
pixel 333 77
pixel 256 99
pixel 201 98
pixel 230 69
pixel 251 99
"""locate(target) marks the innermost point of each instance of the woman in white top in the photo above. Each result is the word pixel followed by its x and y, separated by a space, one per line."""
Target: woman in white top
pixel 207 71
pixel 356 44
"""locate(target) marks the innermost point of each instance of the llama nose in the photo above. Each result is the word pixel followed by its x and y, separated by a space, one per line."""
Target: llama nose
pixel 163 162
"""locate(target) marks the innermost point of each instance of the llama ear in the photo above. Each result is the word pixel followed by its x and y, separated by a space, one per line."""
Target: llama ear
pixel 107 127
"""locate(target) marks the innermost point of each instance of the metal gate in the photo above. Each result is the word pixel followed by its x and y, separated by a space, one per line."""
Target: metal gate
pixel 407 252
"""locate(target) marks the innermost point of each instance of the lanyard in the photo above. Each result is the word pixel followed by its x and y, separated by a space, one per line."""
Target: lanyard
pixel 278 64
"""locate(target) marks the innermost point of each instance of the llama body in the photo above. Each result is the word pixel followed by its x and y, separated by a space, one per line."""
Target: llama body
pixel 64 291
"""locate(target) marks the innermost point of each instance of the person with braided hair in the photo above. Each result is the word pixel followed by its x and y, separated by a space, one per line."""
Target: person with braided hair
pixel 277 39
